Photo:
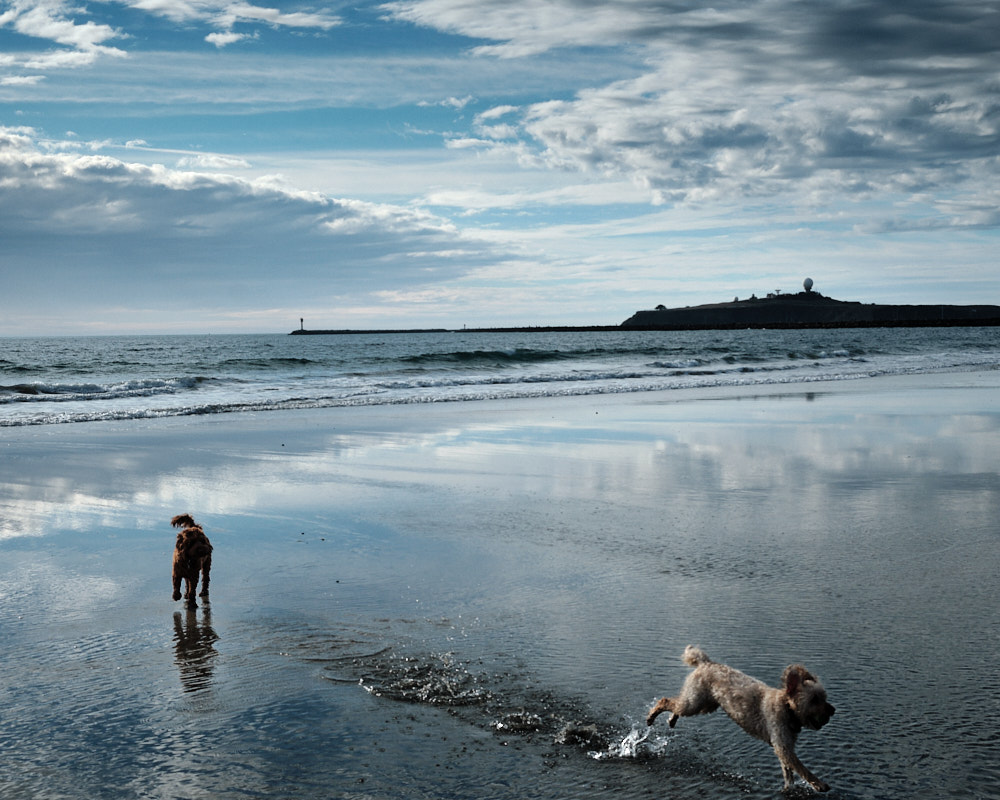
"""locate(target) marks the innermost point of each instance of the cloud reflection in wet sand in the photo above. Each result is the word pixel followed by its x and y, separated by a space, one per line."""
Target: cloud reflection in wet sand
pixel 561 555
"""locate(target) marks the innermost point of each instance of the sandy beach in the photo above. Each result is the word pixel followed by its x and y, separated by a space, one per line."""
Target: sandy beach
pixel 478 600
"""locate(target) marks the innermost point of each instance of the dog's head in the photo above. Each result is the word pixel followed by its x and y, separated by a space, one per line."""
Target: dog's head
pixel 806 697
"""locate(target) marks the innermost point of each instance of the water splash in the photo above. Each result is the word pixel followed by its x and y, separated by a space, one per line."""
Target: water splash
pixel 628 747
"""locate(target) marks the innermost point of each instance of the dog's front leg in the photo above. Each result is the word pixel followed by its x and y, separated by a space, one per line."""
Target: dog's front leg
pixel 790 764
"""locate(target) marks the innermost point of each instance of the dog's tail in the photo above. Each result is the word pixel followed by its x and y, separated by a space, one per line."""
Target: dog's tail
pixel 183 521
pixel 693 656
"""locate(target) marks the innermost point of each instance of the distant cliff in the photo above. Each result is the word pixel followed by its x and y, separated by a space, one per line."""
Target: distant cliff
pixel 808 310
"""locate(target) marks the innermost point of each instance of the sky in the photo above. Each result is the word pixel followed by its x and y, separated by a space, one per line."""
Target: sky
pixel 214 166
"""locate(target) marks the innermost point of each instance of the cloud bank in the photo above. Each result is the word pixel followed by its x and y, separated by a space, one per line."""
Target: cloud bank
pixel 96 230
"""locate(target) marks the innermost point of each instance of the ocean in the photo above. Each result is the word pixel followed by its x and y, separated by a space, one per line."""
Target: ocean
pixel 80 379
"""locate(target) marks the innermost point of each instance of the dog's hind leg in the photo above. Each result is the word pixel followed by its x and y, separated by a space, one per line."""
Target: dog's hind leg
pixel 695 698
pixel 177 587
pixel 681 707
pixel 191 591
pixel 206 569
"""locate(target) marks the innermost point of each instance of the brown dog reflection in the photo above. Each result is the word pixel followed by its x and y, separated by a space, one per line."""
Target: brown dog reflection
pixel 194 648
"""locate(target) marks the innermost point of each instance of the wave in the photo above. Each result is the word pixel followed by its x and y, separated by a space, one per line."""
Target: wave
pixel 528 355
pixel 431 392
pixel 71 392
pixel 265 364
pixel 657 356
pixel 506 357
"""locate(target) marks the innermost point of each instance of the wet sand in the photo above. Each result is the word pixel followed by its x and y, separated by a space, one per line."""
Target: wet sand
pixel 482 599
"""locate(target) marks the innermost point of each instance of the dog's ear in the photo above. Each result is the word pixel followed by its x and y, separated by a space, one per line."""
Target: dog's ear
pixel 793 678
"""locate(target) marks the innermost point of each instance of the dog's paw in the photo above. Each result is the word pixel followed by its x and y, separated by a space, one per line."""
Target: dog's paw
pixel 819 786
pixel 177 595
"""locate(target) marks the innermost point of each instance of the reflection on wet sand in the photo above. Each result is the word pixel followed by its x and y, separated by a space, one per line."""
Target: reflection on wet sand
pixel 194 648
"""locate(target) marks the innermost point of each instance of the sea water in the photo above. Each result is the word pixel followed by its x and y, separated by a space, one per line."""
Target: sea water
pixel 79 379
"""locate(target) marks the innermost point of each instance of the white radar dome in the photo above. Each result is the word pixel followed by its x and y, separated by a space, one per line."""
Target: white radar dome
pixel 808 284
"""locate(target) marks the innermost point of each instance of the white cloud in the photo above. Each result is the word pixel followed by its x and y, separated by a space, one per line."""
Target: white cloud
pixel 90 222
pixel 221 40
pixel 496 112
pixel 529 28
pixel 212 161
pixel 22 80
pixel 66 24
pixel 50 19
pixel 450 102
pixel 224 14
pixel 227 14
pixel 753 100
pixel 53 21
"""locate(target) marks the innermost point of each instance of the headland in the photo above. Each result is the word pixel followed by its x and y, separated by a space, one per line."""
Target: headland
pixel 809 309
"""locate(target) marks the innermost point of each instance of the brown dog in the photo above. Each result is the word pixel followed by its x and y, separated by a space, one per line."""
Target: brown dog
pixel 192 558
pixel 773 715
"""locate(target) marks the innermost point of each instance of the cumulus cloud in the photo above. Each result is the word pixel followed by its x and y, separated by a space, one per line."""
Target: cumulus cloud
pixel 85 40
pixel 753 99
pixel 90 221
pixel 52 20
pixel 221 40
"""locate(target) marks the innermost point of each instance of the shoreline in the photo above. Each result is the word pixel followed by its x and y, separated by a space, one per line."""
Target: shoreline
pixel 394 415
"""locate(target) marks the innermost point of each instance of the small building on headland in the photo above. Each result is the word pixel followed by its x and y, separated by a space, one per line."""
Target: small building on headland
pixel 808 309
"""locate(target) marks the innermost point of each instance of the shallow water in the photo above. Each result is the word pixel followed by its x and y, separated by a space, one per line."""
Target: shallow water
pixel 485 604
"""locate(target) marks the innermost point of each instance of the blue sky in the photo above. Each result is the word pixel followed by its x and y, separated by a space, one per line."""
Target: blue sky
pixel 206 166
